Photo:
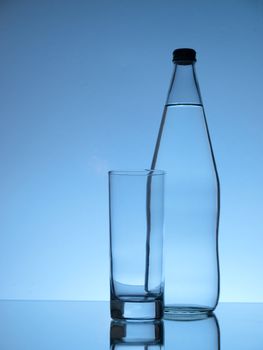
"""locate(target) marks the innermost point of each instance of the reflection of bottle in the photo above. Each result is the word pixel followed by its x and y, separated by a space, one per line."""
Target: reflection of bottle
pixel 198 334
pixel 184 151
pixel 146 335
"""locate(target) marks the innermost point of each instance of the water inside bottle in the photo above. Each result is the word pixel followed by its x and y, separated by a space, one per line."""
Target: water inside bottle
pixel 184 151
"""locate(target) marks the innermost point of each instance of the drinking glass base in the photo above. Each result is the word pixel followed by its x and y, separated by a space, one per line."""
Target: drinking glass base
pixel 136 310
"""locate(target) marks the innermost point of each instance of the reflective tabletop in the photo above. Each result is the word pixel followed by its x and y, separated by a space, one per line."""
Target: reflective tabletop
pixel 87 325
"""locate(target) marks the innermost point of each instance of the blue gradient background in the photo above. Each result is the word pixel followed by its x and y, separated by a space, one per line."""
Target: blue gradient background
pixel 82 87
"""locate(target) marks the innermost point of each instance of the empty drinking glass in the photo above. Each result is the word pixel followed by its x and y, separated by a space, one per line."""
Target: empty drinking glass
pixel 136 243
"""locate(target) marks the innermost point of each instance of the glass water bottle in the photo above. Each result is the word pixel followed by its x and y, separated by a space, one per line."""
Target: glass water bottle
pixel 183 149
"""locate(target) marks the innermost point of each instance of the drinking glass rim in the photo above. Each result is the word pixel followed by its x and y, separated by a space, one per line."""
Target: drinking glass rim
pixel 144 172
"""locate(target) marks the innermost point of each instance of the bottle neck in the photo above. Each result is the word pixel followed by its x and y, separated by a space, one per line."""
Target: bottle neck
pixel 184 87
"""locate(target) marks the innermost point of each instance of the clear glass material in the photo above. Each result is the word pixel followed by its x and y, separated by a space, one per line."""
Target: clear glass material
pixel 136 335
pixel 198 334
pixel 183 149
pixel 136 244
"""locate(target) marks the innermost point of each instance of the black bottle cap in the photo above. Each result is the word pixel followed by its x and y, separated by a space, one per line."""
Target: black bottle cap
pixel 184 56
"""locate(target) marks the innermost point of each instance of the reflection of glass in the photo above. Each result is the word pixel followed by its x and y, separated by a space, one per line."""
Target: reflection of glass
pixel 136 254
pixel 141 335
pixel 197 334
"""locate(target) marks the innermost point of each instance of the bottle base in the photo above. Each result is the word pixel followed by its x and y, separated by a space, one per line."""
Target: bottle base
pixel 136 310
pixel 178 312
